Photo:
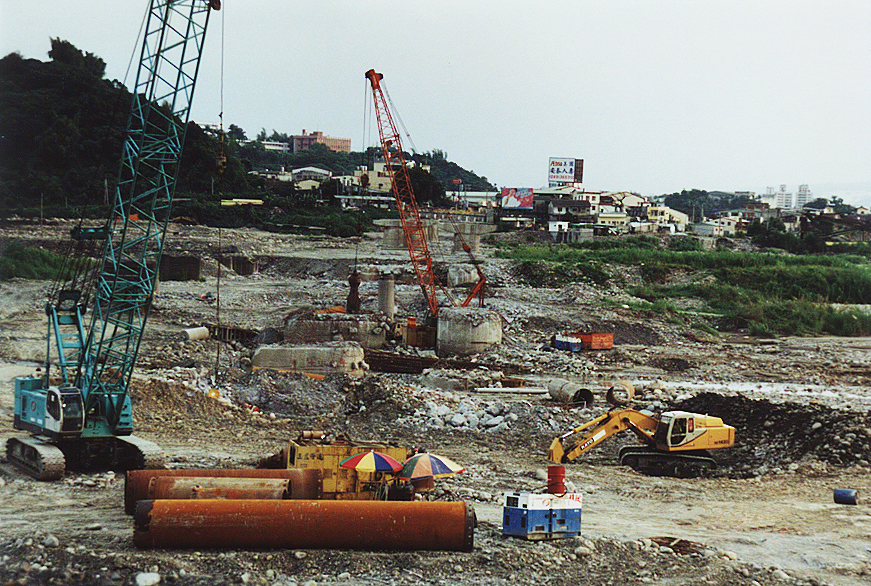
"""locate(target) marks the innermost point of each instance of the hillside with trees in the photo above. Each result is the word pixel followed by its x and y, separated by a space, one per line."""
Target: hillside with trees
pixel 62 128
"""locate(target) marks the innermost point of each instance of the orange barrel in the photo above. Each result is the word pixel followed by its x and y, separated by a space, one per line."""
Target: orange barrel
pixel 556 479
pixel 200 487
pixel 304 524
pixel 304 484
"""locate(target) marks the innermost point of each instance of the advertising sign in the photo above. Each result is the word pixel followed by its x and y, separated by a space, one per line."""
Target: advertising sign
pixel 513 197
pixel 561 171
pixel 565 171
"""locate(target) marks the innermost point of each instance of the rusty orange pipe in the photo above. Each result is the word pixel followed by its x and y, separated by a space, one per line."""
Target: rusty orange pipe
pixel 199 487
pixel 304 484
pixel 304 524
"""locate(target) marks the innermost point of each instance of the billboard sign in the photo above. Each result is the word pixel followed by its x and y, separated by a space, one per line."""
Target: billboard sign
pixel 565 171
pixel 517 198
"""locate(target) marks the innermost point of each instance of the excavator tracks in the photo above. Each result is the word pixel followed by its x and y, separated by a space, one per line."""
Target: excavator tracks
pixel 676 464
pixel 39 459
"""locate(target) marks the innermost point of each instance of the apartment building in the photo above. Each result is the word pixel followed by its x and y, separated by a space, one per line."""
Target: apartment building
pixel 305 141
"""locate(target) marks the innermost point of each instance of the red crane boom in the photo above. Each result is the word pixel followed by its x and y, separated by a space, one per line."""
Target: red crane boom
pixel 412 226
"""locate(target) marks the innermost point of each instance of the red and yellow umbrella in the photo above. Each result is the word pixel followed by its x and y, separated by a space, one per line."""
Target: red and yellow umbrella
pixel 429 466
pixel 371 461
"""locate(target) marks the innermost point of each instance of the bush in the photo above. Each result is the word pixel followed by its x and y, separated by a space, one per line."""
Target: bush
pixel 24 262
pixel 850 322
pixel 760 330
pixel 685 245
pixel 703 327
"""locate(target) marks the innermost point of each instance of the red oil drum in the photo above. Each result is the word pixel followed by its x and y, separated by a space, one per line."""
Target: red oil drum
pixel 556 479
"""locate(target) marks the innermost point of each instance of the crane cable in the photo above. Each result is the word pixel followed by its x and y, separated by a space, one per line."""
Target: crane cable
pixel 222 161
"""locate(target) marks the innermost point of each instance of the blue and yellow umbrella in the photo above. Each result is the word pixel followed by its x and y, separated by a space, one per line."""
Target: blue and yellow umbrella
pixel 428 465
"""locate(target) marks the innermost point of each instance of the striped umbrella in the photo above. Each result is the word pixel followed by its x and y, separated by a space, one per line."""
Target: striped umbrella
pixel 371 461
pixel 428 465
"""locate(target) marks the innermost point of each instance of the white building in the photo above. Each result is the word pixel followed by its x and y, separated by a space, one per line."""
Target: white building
pixel 782 199
pixel 664 215
pixel 803 197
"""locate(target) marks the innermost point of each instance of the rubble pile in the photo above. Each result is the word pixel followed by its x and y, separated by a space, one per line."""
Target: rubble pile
pixel 787 437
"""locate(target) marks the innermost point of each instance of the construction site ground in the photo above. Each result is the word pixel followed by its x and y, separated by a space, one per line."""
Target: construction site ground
pixel 766 517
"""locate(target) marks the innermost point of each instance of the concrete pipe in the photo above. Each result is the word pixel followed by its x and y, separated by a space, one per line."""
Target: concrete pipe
pixel 304 484
pixel 199 333
pixel 565 391
pixel 304 524
pixel 200 487
pixel 620 394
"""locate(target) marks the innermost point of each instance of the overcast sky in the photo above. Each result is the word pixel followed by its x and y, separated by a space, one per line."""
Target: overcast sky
pixel 655 96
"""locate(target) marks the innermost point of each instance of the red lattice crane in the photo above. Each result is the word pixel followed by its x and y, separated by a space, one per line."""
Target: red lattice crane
pixel 406 205
pixel 412 226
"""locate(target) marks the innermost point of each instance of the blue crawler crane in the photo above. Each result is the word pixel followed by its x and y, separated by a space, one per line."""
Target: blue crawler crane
pixel 82 417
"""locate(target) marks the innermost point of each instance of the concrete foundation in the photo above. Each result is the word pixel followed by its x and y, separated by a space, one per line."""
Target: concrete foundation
pixel 325 358
pixel 241 265
pixel 461 274
pixel 387 296
pixel 368 331
pixel 394 237
pixel 470 234
pixel 463 331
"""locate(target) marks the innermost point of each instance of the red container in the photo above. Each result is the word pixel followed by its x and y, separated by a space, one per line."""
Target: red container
pixel 597 341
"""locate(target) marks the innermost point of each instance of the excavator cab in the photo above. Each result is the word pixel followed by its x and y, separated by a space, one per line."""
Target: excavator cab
pixel 674 429
pixel 681 430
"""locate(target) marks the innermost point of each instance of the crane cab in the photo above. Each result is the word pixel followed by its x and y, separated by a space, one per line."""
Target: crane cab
pixel 681 430
pixel 54 412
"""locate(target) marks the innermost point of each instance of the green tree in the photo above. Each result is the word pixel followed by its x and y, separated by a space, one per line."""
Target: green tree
pixel 64 52
pixel 840 207
pixel 817 204
pixel 236 133
pixel 427 189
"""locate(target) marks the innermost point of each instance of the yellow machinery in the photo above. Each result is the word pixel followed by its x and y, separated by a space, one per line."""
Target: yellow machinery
pixel 311 450
pixel 674 443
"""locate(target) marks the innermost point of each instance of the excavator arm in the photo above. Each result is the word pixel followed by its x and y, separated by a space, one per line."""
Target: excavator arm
pixel 592 433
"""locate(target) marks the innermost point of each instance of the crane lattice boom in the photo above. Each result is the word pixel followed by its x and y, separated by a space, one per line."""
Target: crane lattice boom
pixel 406 205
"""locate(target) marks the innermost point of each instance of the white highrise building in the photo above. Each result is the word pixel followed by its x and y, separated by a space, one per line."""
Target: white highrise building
pixel 803 197
pixel 782 198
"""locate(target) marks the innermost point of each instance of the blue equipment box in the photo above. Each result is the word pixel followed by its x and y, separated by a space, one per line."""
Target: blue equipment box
pixel 541 516
pixel 541 524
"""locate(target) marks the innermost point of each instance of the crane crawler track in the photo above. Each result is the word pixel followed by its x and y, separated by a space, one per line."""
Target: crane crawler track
pixel 37 458
pixel 145 454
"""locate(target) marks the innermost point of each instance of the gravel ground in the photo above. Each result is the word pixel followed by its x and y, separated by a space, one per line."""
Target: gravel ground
pixel 766 517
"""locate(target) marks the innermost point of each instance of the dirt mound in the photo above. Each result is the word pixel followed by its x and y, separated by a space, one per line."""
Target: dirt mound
pixel 160 398
pixel 774 437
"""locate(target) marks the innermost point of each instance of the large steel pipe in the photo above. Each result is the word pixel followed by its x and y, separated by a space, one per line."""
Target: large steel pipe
pixel 304 524
pixel 304 484
pixel 199 487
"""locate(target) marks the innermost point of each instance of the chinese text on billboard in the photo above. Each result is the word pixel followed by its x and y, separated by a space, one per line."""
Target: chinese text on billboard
pixel 561 171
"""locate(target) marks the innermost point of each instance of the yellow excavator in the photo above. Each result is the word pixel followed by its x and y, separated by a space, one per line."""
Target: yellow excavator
pixel 673 443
